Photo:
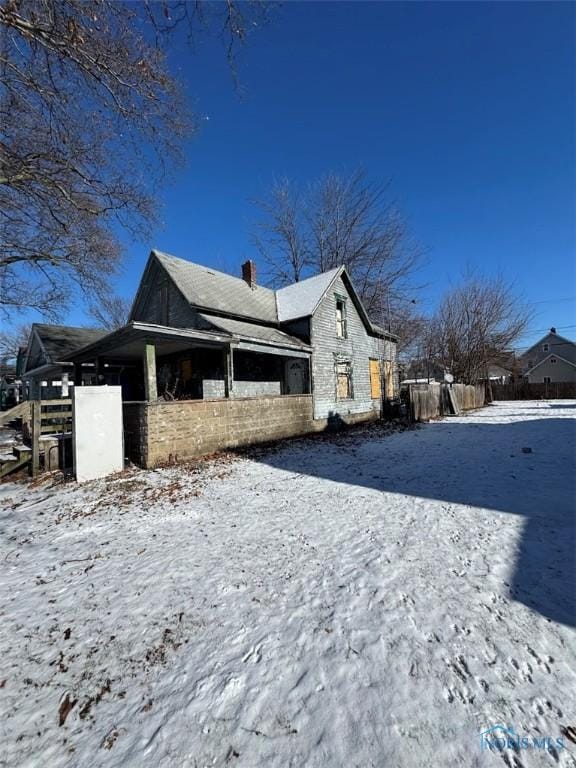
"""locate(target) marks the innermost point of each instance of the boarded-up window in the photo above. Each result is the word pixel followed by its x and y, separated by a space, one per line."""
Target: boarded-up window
pixel 343 381
pixel 375 379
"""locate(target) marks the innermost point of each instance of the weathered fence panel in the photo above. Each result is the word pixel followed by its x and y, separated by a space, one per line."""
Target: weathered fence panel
pixel 431 401
pixel 525 390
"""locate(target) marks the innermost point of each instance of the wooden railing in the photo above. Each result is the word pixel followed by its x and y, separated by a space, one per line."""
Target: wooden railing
pixel 55 416
pixel 20 411
pixel 49 417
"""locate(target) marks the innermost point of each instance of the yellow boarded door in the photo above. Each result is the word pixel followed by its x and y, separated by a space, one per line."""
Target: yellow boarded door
pixel 375 379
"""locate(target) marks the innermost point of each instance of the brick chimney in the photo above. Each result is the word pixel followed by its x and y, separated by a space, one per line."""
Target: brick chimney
pixel 249 273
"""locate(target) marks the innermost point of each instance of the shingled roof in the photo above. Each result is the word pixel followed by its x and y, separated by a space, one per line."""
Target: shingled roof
pixel 252 331
pixel 301 299
pixel 58 341
pixel 217 292
pixel 209 289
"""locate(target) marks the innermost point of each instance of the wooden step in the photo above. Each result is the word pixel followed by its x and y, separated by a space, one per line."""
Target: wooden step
pixel 21 451
pixel 6 467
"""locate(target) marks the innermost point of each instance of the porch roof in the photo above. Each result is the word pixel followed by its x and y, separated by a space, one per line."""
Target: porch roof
pixel 129 342
pixel 253 332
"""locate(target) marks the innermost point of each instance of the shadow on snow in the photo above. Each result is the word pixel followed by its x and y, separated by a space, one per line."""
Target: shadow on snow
pixel 480 465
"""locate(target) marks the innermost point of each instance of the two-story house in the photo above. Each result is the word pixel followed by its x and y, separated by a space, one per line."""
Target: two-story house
pixel 210 361
pixel 550 360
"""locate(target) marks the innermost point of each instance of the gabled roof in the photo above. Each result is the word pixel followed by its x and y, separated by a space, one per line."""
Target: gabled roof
pixel 209 289
pixel 214 292
pixel 301 299
pixel 556 336
pixel 59 341
pixel 544 359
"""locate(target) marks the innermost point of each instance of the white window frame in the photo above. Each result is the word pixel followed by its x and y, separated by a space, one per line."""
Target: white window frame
pixel 341 320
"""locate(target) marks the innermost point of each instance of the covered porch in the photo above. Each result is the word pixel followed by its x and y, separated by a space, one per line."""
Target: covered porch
pixel 189 391
pixel 153 362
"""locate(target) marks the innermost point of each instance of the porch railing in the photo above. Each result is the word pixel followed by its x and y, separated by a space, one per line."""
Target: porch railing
pixel 48 417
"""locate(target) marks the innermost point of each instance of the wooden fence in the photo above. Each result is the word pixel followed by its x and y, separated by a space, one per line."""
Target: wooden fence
pixel 524 390
pixel 431 401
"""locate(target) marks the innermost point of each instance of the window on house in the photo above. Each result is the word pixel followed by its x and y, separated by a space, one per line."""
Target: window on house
pixel 340 318
pixel 547 380
pixel 343 381
pixel 545 347
pixel 552 359
pixel 375 389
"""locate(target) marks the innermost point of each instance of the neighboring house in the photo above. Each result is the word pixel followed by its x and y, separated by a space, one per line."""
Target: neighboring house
pixel 210 361
pixel 498 374
pixel 43 364
pixel 9 386
pixel 421 370
pixel 550 360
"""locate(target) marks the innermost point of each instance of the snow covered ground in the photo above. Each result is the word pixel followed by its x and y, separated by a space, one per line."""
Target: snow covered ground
pixel 362 600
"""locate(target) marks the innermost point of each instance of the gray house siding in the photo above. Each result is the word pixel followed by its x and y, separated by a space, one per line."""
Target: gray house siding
pixel 178 313
pixel 357 348
pixel 299 328
pixel 556 372
pixel 551 344
pixel 162 303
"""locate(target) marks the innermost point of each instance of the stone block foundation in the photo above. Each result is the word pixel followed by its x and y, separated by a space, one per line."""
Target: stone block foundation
pixel 164 431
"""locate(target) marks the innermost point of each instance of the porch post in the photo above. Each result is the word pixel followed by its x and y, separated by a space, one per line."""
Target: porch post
pixel 34 388
pixel 65 390
pixel 228 372
pixel 98 370
pixel 150 386
pixel 36 433
pixel 77 374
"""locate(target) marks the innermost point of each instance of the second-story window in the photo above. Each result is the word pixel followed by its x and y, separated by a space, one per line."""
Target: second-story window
pixel 545 347
pixel 340 318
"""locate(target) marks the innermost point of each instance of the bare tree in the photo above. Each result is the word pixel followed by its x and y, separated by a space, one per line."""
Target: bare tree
pixel 476 322
pixel 411 327
pixel 340 220
pixel 91 122
pixel 281 237
pixel 111 312
pixel 11 341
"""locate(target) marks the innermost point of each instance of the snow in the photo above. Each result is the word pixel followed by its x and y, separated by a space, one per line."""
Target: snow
pixel 369 599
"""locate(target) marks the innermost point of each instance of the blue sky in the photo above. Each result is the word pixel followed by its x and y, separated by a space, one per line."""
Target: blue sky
pixel 469 109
